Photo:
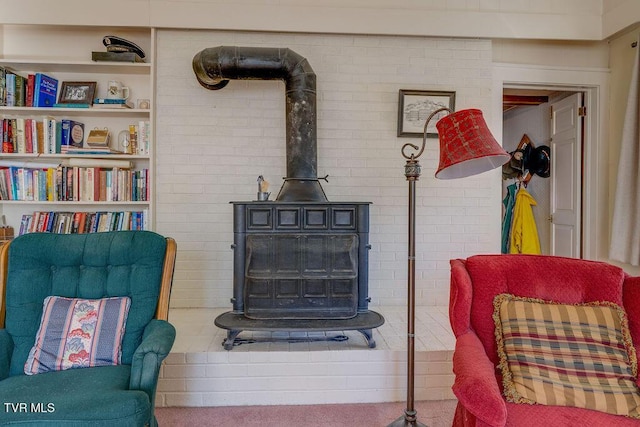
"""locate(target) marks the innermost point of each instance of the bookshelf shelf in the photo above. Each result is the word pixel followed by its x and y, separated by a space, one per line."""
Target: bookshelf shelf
pixel 75 111
pixel 77 203
pixel 85 67
pixel 35 156
pixel 64 53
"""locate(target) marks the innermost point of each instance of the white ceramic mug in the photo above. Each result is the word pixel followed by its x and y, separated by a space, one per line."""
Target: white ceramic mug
pixel 116 90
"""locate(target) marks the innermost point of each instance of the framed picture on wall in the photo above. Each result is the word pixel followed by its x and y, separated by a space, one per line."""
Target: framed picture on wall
pixel 415 106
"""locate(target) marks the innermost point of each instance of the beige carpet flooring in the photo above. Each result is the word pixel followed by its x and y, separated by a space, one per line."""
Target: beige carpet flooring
pixel 431 413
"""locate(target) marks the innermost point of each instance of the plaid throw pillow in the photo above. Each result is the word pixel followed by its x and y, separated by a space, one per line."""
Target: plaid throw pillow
pixel 566 355
pixel 78 333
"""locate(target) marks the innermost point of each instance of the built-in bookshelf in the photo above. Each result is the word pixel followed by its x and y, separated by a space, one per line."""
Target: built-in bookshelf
pixel 82 222
pixel 43 169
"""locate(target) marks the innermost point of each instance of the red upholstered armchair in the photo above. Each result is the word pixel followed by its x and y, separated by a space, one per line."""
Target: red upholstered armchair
pixel 474 284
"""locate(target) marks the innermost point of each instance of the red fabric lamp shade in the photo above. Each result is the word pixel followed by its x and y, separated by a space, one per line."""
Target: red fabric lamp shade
pixel 467 147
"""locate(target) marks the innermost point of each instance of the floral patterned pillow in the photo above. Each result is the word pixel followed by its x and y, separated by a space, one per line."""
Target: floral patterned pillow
pixel 78 333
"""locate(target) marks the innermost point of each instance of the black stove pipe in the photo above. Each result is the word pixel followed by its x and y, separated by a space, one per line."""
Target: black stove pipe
pixel 215 66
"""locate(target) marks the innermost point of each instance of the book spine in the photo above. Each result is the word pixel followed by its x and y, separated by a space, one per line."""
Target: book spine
pixel 51 220
pixel 8 179
pixel 109 101
pixel 69 223
pixel 58 184
pixel 24 224
pixel 58 140
pixel 143 137
pixel 3 185
pixel 65 138
pixel 21 90
pixel 97 176
pixel 28 184
pixel 34 222
pixel 126 222
pixel 81 224
pixel 75 225
pixel 20 184
pixel 36 89
pixel 33 178
pixel 14 183
pixel 58 225
pixel 135 185
pixel 31 79
pixel 34 135
pixel 42 220
pixel 42 182
pixel 147 184
pixel 133 139
pixel 11 90
pixel 76 134
pixel 46 91
pixel 145 219
pixel 93 224
pixel 47 131
pixel 51 184
pixel 50 135
pixel 3 86
pixel 7 146
pixel 39 137
pixel 101 219
pixel 14 135
pixel 28 135
pixel 66 222
pixel 20 136
pixel 89 184
pixel 35 184
pixel 70 181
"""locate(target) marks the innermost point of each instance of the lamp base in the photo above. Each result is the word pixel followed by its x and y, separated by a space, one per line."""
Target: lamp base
pixel 407 420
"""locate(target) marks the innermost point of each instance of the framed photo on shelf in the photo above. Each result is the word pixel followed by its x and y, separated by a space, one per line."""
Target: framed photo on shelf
pixel 415 106
pixel 77 92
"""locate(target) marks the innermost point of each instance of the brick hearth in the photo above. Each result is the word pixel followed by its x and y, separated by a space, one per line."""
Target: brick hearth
pixel 199 372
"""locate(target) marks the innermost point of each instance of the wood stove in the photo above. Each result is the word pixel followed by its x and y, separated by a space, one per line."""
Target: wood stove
pixel 300 262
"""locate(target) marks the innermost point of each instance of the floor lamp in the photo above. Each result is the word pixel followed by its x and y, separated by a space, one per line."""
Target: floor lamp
pixel 467 148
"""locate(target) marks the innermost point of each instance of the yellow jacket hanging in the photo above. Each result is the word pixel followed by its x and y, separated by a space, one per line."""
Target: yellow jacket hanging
pixel 524 233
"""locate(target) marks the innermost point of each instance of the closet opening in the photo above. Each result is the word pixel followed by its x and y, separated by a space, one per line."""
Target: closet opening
pixel 543 128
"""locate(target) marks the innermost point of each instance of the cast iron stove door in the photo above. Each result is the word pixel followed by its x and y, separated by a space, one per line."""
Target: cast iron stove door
pixel 301 276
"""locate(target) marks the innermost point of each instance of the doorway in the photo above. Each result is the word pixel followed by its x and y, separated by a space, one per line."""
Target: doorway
pixel 594 83
pixel 553 118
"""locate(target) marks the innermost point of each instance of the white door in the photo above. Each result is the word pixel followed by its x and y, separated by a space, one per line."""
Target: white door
pixel 566 173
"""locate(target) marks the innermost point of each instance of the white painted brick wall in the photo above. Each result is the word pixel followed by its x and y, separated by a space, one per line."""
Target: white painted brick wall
pixel 212 145
pixel 298 378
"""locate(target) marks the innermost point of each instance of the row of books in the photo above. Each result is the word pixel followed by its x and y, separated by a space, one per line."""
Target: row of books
pixel 139 138
pixel 32 90
pixel 74 183
pixel 82 222
pixel 45 135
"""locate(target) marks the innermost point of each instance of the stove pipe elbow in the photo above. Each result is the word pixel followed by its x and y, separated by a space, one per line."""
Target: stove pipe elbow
pixel 215 66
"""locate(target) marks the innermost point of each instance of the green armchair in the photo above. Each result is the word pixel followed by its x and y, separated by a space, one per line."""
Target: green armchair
pixel 134 264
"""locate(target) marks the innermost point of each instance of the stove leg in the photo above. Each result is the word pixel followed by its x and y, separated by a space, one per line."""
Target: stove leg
pixel 368 335
pixel 232 334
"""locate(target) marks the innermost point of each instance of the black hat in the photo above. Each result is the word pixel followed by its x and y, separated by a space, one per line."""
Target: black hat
pixel 540 161
pixel 118 44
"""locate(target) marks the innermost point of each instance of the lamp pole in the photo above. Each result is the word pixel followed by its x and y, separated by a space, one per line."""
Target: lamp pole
pixel 466 148
pixel 412 172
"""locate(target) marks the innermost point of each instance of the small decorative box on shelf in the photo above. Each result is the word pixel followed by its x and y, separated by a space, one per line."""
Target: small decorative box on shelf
pixel 6 234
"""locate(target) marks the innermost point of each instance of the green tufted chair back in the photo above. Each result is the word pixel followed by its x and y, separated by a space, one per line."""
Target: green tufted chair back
pixel 96 265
